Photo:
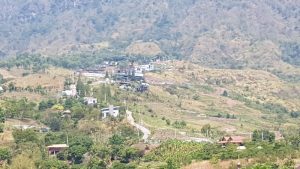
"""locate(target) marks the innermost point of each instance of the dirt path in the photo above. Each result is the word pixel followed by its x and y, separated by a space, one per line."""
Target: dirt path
pixel 143 129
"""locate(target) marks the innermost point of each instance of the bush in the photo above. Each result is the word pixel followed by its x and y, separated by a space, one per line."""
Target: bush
pixel 96 164
pixel 79 145
pixel 43 106
pixel 118 165
pixel 196 97
pixel 179 125
pixel 295 114
pixel 1 128
pixel 225 93
pixel 168 122
pixel 5 154
pixel 23 136
pixel 52 163
pixel 55 124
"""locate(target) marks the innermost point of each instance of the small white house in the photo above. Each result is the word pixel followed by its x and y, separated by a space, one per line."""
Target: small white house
pixel 145 68
pixel 110 111
pixel 70 93
pixel 90 100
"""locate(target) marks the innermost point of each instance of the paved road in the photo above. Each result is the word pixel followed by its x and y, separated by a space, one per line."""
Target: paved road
pixel 143 129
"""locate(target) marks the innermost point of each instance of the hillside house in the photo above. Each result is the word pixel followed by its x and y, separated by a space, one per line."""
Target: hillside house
pixel 129 75
pixel 90 100
pixel 70 93
pixel 93 75
pixel 144 68
pixel 238 140
pixel 110 111
pixel 66 114
pixel 138 77
pixel 56 148
pixel 110 63
pixel 142 87
pixel 45 129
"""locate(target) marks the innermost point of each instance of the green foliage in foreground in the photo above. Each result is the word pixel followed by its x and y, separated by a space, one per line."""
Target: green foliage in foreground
pixel 50 164
pixel 288 164
pixel 177 153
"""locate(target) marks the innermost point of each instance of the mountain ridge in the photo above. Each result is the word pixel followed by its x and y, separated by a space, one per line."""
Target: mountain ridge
pixel 216 34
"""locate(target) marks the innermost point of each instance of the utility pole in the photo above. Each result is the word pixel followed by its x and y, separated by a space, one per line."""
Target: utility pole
pixel 67 138
pixel 138 132
pixel 140 116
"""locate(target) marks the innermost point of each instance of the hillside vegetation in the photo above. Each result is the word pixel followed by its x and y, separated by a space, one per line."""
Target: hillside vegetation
pixel 231 34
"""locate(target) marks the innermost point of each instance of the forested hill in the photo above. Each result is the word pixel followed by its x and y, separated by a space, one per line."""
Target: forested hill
pixel 225 33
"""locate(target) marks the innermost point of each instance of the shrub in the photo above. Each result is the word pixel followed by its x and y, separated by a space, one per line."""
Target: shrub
pixel 22 136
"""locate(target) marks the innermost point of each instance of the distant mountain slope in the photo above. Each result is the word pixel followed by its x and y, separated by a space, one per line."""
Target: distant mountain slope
pixel 216 33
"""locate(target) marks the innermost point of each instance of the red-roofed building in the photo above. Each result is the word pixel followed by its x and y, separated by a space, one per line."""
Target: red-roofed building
pixel 239 140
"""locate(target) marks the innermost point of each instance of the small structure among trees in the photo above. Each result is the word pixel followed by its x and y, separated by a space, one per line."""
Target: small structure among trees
pixel 56 148
pixel 239 140
pixel 90 100
pixel 72 92
pixel 110 111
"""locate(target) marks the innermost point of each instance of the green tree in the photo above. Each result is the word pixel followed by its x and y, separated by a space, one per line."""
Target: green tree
pixel 225 93
pixel 5 154
pixel 263 135
pixel 2 127
pixel 76 153
pixel 129 153
pixel 2 115
pixel 79 145
pixel 55 124
pixel 23 136
pixel 96 163
pixel 116 140
pixel 68 103
pixel 206 130
pixel 80 88
pixel 11 87
pixel 102 152
pixel 228 116
pixel 1 79
pixel 55 138
pixel 78 111
pixel 43 106
pixel 179 124
pixel 168 122
pixel 51 103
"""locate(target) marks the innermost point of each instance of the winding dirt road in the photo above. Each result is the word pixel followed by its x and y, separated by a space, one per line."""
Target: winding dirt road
pixel 143 129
